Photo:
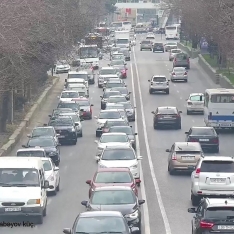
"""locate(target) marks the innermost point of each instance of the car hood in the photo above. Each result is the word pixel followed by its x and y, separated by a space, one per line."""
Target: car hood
pixel 124 209
pixel 104 120
pixel 69 128
pixel 49 149
pixel 117 163
pixel 66 99
pixel 19 194
pixel 104 145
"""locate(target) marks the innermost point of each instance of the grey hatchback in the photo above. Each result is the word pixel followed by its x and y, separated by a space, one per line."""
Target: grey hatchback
pixel 181 60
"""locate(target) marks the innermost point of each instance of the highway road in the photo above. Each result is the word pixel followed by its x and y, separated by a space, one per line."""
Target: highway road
pixel 167 197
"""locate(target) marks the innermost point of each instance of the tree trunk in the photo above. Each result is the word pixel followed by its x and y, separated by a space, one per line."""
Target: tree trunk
pixel 4 111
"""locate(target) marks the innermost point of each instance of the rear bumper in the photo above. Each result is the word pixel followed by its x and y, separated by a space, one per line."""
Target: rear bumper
pixel 179 78
pixel 159 88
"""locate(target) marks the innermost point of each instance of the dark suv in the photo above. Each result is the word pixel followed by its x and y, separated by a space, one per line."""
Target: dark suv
pixel 166 116
pixel 213 216
pixel 158 46
pixel 181 60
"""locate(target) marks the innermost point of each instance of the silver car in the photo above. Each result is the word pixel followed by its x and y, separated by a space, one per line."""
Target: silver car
pixel 158 84
pixel 179 73
pixel 146 45
pixel 124 91
pixel 170 45
pixel 114 106
pixel 130 110
pixel 213 176
pixel 173 52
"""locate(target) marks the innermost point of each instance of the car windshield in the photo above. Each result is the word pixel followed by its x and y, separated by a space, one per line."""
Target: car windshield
pixel 127 130
pixel 71 105
pixel 112 85
pixel 75 118
pixel 19 177
pixel 203 131
pixel 113 177
pixel 122 90
pixel 116 99
pixel 56 112
pixel 117 62
pixel 118 154
pixel 114 107
pixel 168 111
pixel 42 142
pixel 78 76
pixel 100 224
pixel 83 102
pixel 197 98
pixel 117 57
pixel 108 94
pixel 107 72
pixel 29 153
pixel 109 115
pixel 113 138
pixel 61 122
pixel 113 197
pixel 145 42
pixel 69 95
pixel 37 132
pixel 159 79
pixel 47 165
pixel 217 166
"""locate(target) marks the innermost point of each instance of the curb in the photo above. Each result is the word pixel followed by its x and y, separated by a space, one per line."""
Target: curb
pixel 224 82
pixel 15 137
pixel 191 53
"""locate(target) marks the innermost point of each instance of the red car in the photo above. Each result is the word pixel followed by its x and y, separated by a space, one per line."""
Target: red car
pixel 113 177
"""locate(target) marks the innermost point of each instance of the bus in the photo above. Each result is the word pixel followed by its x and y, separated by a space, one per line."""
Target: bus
pixel 172 32
pixel 89 56
pixel 103 31
pixel 94 39
pixel 219 108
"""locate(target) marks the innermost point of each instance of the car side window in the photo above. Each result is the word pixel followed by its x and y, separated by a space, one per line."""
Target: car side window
pixel 156 112
pixel 172 150
pixel 200 209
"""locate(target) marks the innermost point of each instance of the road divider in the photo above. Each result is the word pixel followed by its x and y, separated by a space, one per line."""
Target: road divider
pixel 33 112
pixel 191 52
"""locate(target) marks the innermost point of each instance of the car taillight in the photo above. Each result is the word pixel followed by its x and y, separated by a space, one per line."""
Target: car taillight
pixel 216 141
pixel 206 225
pixel 173 73
pixel 193 140
pixel 185 73
pixel 190 103
pixel 105 129
pixel 197 172
pixel 173 156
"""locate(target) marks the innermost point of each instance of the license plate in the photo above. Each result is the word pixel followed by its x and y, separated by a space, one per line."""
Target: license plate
pixel 61 136
pixel 13 209
pixel 217 180
pixel 204 140
pixel 167 117
pixel 187 158
pixel 225 227
pixel 225 124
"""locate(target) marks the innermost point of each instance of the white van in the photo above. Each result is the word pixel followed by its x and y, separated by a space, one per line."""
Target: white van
pixel 23 188
pixel 80 88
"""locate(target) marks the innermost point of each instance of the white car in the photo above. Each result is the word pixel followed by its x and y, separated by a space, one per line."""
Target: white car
pixel 112 139
pixel 120 156
pixel 51 175
pixel 195 103
pixel 62 67
pixel 150 36
pixel 68 95
pixel 77 120
pixel 173 52
pixel 105 115
pixel 159 84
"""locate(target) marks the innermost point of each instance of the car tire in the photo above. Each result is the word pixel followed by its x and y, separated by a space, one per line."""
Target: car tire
pixel 39 219
pixel 150 91
pixel 81 134
pixel 188 112
pixel 45 211
pixel 58 187
pixel 98 134
pixel 54 192
pixel 171 172
pixel 167 91
pixel 186 81
pixel 178 126
pixel 163 51
pixel 195 200
pixel 216 149
pixel 140 49
pixel 99 86
pixel 74 141
pixel 155 126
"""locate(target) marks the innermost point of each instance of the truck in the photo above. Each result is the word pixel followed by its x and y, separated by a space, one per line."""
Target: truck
pixel 122 39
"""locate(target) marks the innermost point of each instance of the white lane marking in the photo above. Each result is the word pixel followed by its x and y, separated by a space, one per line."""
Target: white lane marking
pixel 48 201
pixel 156 186
pixel 177 91
pixel 143 193
pixel 193 121
pixel 181 98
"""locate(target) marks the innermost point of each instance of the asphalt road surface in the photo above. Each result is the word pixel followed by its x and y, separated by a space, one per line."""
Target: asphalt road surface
pixel 167 197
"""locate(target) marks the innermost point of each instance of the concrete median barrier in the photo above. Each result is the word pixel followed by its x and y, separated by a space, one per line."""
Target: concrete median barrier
pixel 192 53
pixel 35 109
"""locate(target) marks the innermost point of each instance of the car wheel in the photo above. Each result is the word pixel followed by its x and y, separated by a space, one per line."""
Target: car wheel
pixel 58 187
pixel 139 232
pixel 171 171
pixel 178 126
pixel 186 81
pixel 167 91
pixel 188 112
pixel 74 141
pixel 195 200
pixel 45 211
pixel 140 49
pixel 150 91
pixel 54 192
pixel 97 134
pixel 81 134
pixel 155 126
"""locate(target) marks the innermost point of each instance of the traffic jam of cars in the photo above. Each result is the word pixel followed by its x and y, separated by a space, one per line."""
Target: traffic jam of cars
pixel 113 195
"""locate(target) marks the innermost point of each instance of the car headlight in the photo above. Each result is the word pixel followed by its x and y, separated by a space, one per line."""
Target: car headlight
pixel 34 201
pixel 134 166
pixel 51 178
pixel 133 215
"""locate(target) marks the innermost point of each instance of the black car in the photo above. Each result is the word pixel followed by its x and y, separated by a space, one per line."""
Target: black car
pixel 117 198
pixel 213 216
pixel 128 130
pixel 124 91
pixel 66 128
pixel 100 222
pixel 206 136
pixel 167 117
pixel 49 144
pixel 58 111
pixel 158 47
pixel 110 123
pixel 106 95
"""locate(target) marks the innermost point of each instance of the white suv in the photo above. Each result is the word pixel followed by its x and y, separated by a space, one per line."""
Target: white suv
pixel 159 83
pixel 213 176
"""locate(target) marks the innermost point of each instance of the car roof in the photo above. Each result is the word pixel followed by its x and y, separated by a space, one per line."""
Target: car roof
pixel 69 91
pixel 167 107
pixel 37 148
pixel 63 117
pixel 116 120
pixel 110 75
pixel 202 127
pixel 107 68
pixel 121 127
pixel 196 94
pixel 77 72
pixel 68 114
pixel 43 127
pixel 117 96
pixel 100 214
pixel 113 169
pixel 220 202
pixel 115 81
pixel 67 102
pixel 113 110
pixel 156 76
pixel 218 158
pixel 187 146
pixel 113 188
pixel 114 133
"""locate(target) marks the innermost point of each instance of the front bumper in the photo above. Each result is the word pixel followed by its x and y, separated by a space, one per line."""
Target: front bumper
pixel 195 109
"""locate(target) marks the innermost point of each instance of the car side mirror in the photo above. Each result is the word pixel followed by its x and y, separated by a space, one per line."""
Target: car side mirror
pixel 167 150
pixel 58 144
pixel 139 158
pixel 57 134
pixel 29 136
pixel 45 125
pixel 58 97
pixel 50 116
pixel 91 105
pixel 141 202
pixel 96 141
pixel 65 80
pixel 88 182
pixel 108 64
pixel 46 184
pixel 97 158
pixel 56 168
pixel 67 230
pixel 135 134
pixel 192 210
pixel 180 112
pixel 168 80
pixel 148 80
pixel 129 92
pixel 125 63
pixel 101 96
pixel 134 230
pixel 95 117
pixel 84 203
pixel 76 124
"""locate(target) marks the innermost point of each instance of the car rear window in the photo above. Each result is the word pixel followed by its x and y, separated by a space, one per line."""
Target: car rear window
pixel 188 152
pixel 197 98
pixel 146 42
pixel 203 131
pixel 181 56
pixel 167 111
pixel 158 44
pixel 159 79
pixel 217 166
pixel 223 213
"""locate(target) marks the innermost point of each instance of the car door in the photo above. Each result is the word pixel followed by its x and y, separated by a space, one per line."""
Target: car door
pixel 197 217
pixel 43 190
